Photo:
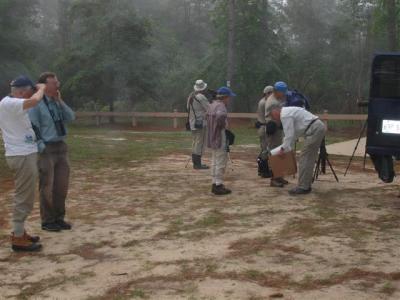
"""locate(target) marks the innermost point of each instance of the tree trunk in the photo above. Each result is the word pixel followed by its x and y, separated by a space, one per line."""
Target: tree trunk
pixel 231 43
pixel 230 72
pixel 64 23
pixel 392 24
pixel 264 8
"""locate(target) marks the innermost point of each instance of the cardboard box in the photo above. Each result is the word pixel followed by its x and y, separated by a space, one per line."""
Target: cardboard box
pixel 284 165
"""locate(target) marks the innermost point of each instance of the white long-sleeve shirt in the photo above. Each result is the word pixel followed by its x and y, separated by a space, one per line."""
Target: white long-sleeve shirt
pixel 295 121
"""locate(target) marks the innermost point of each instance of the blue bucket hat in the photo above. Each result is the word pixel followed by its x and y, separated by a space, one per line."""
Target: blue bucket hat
pixel 225 91
pixel 281 86
pixel 22 81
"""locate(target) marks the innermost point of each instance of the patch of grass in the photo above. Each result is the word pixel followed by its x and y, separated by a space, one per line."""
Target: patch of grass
pixel 301 227
pixel 213 219
pixel 388 288
pixel 138 294
pixel 253 274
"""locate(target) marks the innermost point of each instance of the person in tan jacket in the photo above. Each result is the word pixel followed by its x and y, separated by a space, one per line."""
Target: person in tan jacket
pixel 263 168
pixel 197 106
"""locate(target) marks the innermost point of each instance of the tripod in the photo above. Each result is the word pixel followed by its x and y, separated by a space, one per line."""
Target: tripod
pixel 320 168
pixel 355 148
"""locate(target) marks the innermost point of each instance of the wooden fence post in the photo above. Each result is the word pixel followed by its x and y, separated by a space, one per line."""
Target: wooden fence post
pixel 325 118
pixel 98 120
pixel 175 120
pixel 134 121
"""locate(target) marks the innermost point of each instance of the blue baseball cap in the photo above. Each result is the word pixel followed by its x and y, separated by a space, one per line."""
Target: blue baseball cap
pixel 281 86
pixel 22 81
pixel 225 91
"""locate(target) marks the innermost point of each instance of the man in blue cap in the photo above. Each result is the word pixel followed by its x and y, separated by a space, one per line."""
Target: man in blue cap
pixel 20 143
pixel 217 122
pixel 274 130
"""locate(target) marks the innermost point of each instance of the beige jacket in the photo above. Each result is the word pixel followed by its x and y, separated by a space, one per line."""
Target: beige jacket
pixel 198 105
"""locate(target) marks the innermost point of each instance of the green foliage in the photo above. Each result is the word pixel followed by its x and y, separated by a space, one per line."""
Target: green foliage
pixel 16 48
pixel 107 58
pixel 146 54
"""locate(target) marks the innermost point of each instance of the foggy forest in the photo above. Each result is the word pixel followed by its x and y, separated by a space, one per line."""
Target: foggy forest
pixel 144 55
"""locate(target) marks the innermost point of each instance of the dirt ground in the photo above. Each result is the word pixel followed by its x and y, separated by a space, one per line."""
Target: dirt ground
pixel 153 231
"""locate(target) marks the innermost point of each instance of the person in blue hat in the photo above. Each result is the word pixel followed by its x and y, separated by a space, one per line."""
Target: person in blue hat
pixel 273 129
pixel 20 142
pixel 217 122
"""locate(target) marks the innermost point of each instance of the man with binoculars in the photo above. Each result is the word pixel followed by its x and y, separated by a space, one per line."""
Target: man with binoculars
pixel 48 119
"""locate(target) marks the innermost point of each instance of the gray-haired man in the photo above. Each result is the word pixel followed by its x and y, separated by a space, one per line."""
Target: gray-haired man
pixel 298 122
pixel 197 105
pixel 20 143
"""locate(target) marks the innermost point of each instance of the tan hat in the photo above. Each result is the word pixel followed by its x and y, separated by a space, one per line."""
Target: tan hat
pixel 268 89
pixel 200 86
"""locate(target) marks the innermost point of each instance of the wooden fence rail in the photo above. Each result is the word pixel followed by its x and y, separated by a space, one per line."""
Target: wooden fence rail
pixel 175 116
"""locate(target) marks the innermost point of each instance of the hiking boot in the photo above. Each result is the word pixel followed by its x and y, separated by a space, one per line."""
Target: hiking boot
pixel 53 227
pixel 33 239
pixel 276 183
pixel 197 165
pixel 24 244
pixel 299 191
pixel 285 182
pixel 63 225
pixel 220 190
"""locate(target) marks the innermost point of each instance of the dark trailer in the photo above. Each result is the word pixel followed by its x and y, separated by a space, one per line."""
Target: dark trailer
pixel 383 135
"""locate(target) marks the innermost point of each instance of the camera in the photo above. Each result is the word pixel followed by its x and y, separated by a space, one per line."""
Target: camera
pixel 60 128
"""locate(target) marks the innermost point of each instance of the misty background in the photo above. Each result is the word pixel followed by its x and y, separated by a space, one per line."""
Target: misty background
pixel 145 55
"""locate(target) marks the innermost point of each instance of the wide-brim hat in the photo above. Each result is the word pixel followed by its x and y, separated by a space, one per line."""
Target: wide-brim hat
pixel 268 89
pixel 200 86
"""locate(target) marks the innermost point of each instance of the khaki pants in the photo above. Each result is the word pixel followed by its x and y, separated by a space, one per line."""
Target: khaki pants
pixel 219 160
pixel 54 181
pixel 309 154
pixel 25 176
pixel 199 138
pixel 263 141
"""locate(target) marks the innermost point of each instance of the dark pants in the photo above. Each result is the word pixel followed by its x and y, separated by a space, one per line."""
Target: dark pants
pixel 53 182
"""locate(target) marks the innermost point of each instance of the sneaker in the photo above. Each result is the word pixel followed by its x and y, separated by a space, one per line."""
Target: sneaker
pixel 299 191
pixel 23 244
pixel 63 225
pixel 220 190
pixel 53 227
pixel 276 183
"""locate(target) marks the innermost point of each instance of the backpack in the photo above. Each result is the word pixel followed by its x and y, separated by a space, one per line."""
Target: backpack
pixel 295 98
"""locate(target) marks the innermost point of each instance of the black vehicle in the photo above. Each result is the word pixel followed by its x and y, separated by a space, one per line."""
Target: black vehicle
pixel 383 131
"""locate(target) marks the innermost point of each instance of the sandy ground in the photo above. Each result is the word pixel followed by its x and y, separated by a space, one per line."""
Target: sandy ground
pixel 154 231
